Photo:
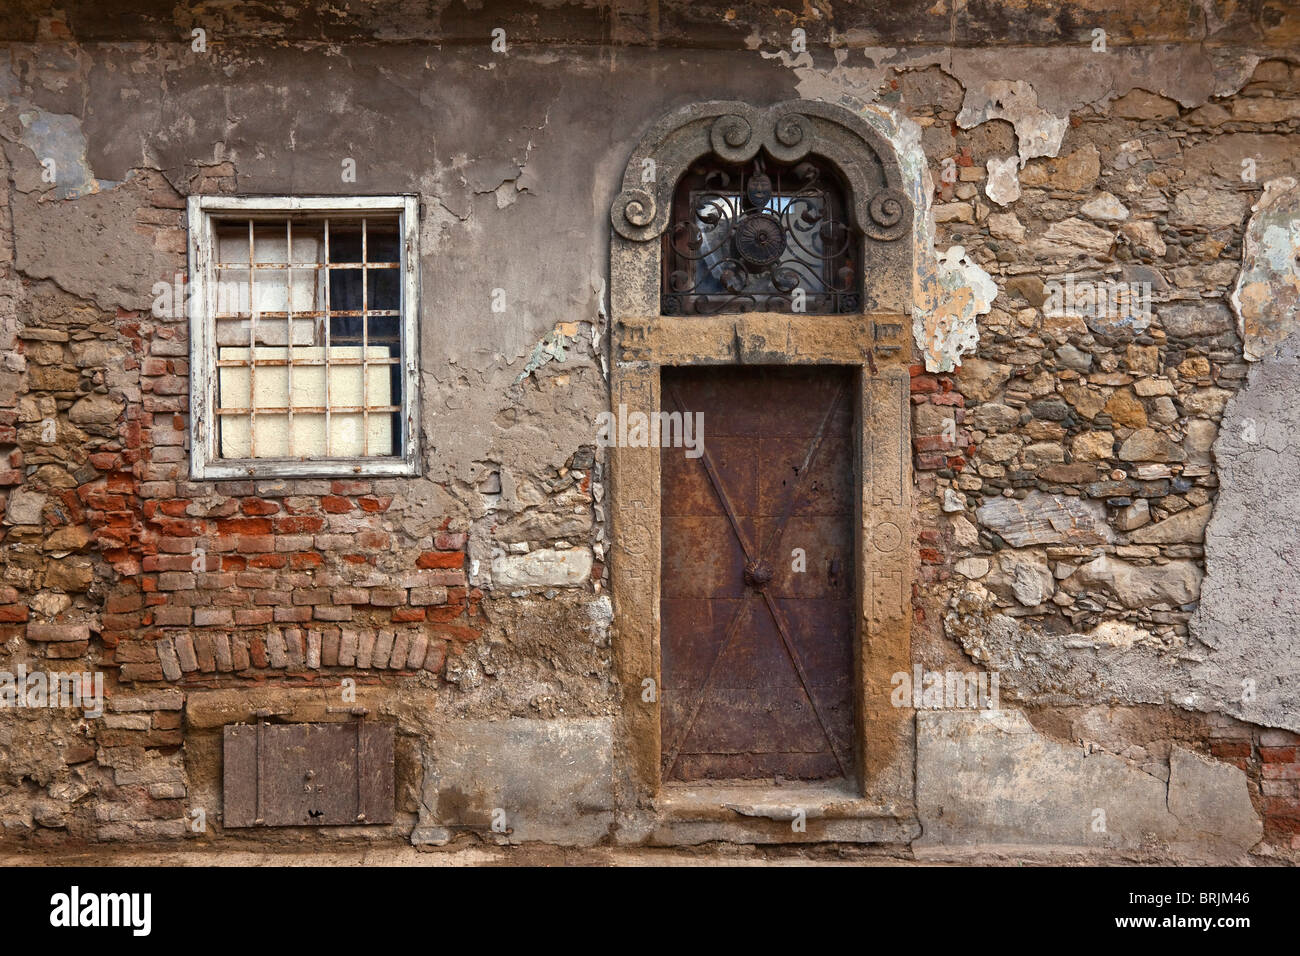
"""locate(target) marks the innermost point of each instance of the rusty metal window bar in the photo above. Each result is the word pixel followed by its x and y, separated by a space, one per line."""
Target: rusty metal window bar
pixel 303 336
pixel 761 236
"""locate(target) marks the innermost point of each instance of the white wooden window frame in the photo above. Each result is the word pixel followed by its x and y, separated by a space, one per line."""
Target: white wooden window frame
pixel 205 463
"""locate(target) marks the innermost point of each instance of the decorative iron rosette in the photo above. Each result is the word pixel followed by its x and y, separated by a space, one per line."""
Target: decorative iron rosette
pixel 760 239
pixel 761 236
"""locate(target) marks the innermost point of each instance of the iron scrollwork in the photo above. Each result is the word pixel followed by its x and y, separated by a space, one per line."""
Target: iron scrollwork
pixel 762 235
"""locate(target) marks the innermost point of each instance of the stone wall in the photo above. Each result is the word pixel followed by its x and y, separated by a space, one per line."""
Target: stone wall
pixel 1071 461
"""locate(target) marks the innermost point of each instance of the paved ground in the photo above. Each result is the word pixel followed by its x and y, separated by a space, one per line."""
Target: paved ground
pixel 467 856
pixel 536 855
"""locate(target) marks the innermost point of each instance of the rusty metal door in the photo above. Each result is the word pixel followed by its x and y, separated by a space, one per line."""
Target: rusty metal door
pixel 757 590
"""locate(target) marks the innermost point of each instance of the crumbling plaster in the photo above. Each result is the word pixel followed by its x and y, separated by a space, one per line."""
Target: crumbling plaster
pixel 1126 662
pixel 478 173
pixel 1250 599
pixel 1266 297
pixel 1055 797
pixel 1036 94
pixel 499 413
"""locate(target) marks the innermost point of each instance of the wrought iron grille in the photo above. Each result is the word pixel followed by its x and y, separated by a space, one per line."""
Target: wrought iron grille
pixel 761 236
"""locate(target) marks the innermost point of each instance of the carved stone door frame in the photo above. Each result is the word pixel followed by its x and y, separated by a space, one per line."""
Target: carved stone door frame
pixel 876 341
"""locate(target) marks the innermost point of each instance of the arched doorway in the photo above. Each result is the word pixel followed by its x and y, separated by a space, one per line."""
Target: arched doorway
pixel 761 277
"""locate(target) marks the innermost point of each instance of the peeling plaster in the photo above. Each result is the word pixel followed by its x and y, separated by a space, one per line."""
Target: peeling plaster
pixel 550 348
pixel 948 291
pixel 59 138
pixel 1266 298
pixel 990 778
pixel 1232 70
pixel 544 427
pixel 1038 132
pixel 946 325
pixel 1248 605
pixel 1003 185
pixel 1119 661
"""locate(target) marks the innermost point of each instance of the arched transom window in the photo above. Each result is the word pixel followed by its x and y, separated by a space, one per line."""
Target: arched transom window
pixel 761 236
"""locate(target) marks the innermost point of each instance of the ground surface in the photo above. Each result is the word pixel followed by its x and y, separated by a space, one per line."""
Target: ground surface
pixel 479 855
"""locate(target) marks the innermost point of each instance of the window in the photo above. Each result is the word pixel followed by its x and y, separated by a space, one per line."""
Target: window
pixel 303 317
pixel 760 236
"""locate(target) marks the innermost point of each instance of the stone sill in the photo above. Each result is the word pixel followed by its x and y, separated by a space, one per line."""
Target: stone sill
pixel 762 813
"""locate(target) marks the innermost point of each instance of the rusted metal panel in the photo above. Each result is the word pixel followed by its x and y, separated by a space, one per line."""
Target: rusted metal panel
pixel 285 775
pixel 757 591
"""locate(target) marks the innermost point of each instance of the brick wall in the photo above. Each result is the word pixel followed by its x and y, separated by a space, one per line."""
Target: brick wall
pixel 114 562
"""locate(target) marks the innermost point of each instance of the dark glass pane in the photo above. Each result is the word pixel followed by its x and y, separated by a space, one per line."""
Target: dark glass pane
pixel 384 330
pixel 382 244
pixel 761 236
pixel 345 243
pixel 385 289
pixel 397 433
pixel 345 290
pixel 345 330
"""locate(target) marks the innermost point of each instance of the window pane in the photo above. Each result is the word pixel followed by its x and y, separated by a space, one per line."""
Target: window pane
pixel 384 290
pixel 385 330
pixel 233 331
pixel 345 240
pixel 272 436
pixel 272 331
pixel 345 290
pixel 382 243
pixel 308 389
pixel 309 435
pixel 761 235
pixel 309 381
pixel 232 295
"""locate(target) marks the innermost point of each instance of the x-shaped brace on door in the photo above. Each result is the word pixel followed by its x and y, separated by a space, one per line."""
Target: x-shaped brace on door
pixel 757 573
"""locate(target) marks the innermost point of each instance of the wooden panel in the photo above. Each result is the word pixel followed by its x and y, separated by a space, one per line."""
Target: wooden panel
pixel 285 775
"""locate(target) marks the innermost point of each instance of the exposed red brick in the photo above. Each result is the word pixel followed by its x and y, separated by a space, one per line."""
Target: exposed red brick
pixel 299 524
pixel 244 526
pixel 11 613
pixel 450 541
pixel 1230 748
pixel 347 487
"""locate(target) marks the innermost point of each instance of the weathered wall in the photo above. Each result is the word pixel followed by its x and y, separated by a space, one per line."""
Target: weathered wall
pixel 1066 469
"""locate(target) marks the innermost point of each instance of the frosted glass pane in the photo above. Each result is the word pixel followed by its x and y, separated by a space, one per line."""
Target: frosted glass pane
pixel 277 290
pixel 271 390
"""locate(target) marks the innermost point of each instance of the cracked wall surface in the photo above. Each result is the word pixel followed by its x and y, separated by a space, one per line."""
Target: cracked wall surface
pixel 1097 487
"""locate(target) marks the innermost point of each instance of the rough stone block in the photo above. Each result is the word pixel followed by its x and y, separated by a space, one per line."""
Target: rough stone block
pixel 992 780
pixel 552 778
pixel 543 568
